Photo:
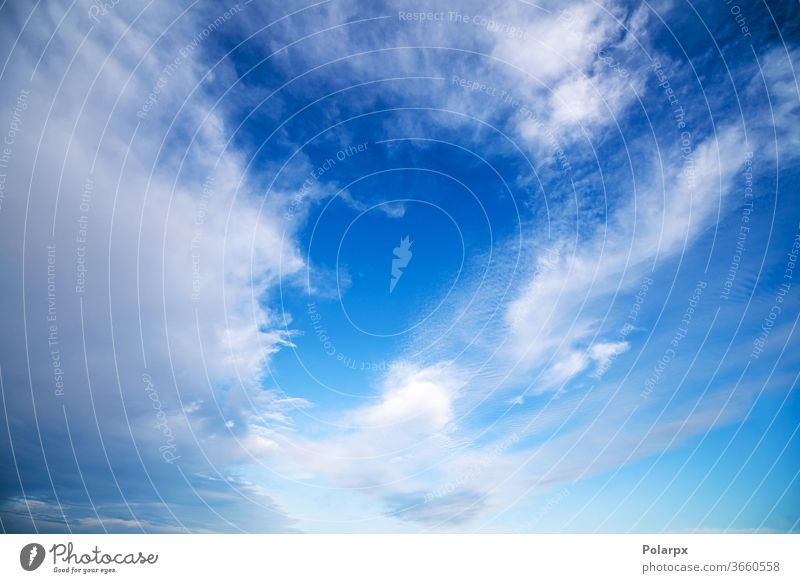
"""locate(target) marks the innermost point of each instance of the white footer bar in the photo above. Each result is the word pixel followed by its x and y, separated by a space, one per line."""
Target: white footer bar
pixel 764 558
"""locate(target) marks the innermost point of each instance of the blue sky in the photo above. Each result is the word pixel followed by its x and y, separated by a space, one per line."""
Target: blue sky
pixel 211 320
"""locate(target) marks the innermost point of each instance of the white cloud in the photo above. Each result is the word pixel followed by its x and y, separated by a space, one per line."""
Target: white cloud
pixel 566 63
pixel 420 400
pixel 156 233
pixel 557 43
pixel 376 449
pixel 551 315
pixel 603 352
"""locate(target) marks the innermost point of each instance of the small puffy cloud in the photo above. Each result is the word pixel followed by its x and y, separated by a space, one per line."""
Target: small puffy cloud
pixel 418 399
